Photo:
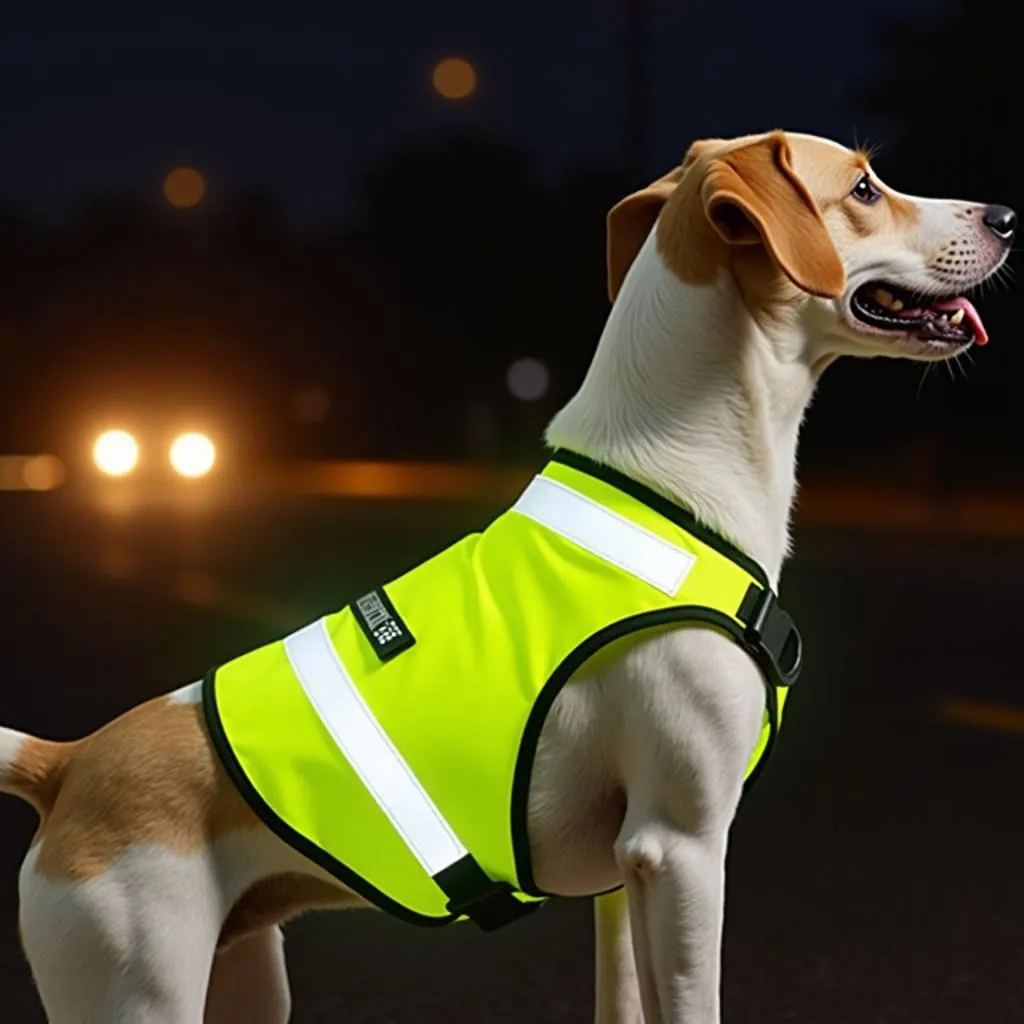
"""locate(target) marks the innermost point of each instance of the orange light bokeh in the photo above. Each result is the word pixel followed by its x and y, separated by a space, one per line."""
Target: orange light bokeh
pixel 184 187
pixel 454 78
pixel 30 472
pixel 43 473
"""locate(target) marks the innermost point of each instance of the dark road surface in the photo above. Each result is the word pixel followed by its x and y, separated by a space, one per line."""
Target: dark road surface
pixel 876 873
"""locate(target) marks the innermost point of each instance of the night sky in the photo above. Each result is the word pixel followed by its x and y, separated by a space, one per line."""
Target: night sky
pixel 302 103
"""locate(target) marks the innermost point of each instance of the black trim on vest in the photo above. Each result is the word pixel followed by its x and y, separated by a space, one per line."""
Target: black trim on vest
pixel 663 506
pixel 284 831
pixel 696 614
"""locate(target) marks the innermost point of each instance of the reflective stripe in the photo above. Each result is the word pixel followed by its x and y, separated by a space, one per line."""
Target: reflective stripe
pixel 368 749
pixel 606 534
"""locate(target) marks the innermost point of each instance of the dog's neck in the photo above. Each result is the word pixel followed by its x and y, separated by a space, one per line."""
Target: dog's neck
pixel 689 395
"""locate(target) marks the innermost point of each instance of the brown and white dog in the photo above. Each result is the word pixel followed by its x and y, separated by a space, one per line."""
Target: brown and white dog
pixel 152 895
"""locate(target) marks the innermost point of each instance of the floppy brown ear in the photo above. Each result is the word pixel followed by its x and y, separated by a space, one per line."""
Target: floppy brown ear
pixel 752 196
pixel 629 223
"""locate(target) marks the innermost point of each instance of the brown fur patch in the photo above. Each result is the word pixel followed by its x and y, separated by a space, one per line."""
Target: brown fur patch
pixel 862 160
pixel 687 242
pixel 630 222
pixel 150 776
pixel 774 188
pixel 856 220
pixel 753 196
pixel 37 772
pixel 905 213
pixel 766 291
pixel 831 174
pixel 278 899
pixel 743 193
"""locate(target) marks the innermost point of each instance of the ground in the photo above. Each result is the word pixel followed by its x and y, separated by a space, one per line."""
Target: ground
pixel 874 872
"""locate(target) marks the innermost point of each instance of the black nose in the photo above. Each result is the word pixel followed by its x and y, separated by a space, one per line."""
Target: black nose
pixel 1001 221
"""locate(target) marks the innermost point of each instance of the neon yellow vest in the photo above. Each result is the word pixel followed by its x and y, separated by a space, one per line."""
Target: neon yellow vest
pixel 392 742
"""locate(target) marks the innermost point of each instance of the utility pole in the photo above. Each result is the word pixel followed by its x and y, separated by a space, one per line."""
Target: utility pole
pixel 637 87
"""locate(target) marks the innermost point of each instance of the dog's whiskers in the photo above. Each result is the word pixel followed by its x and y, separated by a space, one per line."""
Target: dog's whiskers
pixel 924 375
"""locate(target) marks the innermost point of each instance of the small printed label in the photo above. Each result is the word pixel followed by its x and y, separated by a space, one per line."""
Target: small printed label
pixel 384 628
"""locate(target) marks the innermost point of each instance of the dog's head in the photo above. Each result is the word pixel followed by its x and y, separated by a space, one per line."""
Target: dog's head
pixel 811 235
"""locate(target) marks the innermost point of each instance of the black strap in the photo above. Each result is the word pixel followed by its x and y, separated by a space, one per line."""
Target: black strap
pixel 772 636
pixel 489 904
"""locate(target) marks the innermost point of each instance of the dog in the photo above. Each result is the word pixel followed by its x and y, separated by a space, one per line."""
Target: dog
pixel 152 894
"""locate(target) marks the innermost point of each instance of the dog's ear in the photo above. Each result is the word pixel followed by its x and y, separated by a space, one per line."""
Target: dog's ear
pixel 752 196
pixel 629 223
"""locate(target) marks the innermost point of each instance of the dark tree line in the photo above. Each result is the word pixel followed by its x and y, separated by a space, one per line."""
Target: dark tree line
pixel 463 260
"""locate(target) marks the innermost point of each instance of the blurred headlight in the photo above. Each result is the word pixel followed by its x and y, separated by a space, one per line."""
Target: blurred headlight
pixel 116 452
pixel 193 455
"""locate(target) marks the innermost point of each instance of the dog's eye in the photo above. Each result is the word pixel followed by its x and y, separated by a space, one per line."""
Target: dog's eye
pixel 865 191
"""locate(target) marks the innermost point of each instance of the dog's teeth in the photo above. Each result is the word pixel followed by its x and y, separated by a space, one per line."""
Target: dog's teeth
pixel 956 317
pixel 883 298
pixel 896 305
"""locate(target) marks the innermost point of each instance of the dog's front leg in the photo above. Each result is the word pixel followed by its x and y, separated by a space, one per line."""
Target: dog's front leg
pixel 617 992
pixel 675 882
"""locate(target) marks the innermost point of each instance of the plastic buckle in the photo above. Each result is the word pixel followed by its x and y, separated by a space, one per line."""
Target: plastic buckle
pixel 770 630
pixel 471 893
pixel 494 909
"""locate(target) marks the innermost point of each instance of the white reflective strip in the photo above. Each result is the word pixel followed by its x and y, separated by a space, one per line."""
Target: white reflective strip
pixel 368 749
pixel 606 534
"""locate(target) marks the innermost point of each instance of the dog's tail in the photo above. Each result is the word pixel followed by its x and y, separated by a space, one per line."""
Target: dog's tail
pixel 31 768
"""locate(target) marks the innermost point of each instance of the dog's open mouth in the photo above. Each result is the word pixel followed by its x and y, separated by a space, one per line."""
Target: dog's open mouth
pixel 951 320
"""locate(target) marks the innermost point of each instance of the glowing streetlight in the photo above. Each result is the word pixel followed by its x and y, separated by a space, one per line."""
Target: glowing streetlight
pixel 193 455
pixel 115 452
pixel 184 187
pixel 454 78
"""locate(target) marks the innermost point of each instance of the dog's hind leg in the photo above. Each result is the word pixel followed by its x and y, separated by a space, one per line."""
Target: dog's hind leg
pixel 249 984
pixel 617 992
pixel 132 945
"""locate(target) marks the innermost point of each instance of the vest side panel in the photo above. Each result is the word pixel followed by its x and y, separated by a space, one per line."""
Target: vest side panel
pixel 715 581
pixel 295 766
pixel 493 619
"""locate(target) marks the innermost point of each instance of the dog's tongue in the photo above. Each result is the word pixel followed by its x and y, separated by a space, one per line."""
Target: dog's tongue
pixel 972 315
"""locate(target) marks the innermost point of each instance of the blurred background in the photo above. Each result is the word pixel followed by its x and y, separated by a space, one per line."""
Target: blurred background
pixel 285 304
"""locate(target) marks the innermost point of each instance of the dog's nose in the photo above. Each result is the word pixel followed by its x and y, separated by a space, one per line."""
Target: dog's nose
pixel 1001 221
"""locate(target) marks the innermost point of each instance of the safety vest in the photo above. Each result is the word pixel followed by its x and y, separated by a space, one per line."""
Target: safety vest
pixel 392 742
